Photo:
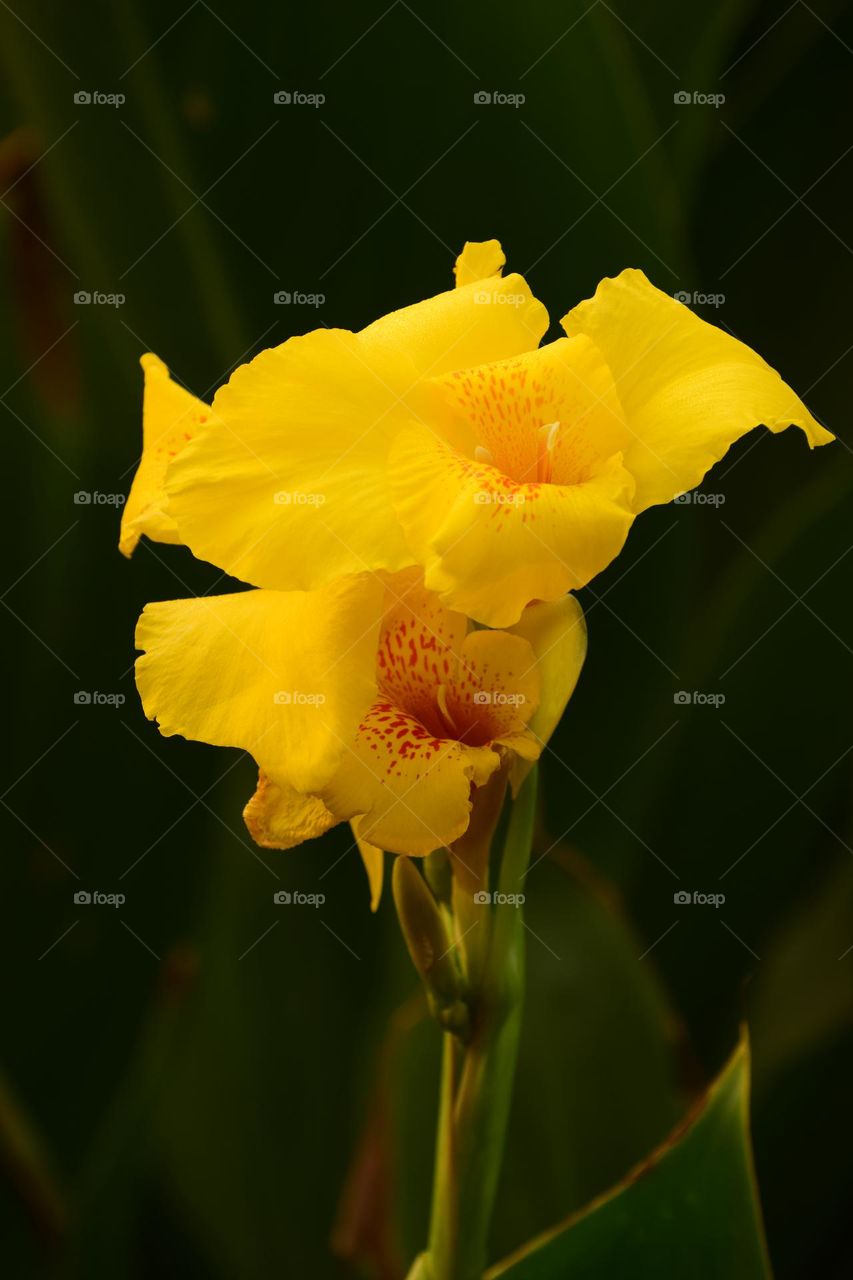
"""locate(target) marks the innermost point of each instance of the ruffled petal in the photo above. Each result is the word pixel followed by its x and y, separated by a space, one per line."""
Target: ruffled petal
pixel 278 817
pixel 412 788
pixel 286 676
pixel 287 488
pixel 490 545
pixel 297 450
pixel 689 390
pixel 171 417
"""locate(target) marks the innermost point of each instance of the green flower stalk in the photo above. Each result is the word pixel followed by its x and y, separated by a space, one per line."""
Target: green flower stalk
pixel 478 1064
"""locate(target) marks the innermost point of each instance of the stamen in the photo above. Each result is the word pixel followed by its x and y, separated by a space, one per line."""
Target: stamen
pixel 483 455
pixel 441 699
pixel 547 438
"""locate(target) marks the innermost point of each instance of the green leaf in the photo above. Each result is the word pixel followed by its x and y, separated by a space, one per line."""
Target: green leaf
pixel 580 1121
pixel 690 1209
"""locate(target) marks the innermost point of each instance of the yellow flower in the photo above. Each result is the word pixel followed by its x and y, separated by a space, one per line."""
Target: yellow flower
pixel 444 436
pixel 364 701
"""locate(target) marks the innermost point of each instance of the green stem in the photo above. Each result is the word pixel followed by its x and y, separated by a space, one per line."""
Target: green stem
pixel 443 1216
pixel 475 1104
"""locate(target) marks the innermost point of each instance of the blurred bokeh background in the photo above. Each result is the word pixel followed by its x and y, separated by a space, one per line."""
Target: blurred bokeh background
pixel 198 1083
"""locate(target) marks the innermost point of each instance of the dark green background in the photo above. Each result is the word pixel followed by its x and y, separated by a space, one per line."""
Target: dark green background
pixel 195 1103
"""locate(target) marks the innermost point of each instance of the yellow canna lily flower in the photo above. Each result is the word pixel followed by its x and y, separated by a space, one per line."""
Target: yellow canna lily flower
pixel 365 701
pixel 443 436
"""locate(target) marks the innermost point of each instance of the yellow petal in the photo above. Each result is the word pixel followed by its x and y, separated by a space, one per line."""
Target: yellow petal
pixel 171 417
pixel 689 390
pixel 478 687
pixel 286 676
pixel 548 415
pixel 278 817
pixel 490 545
pixel 419 644
pixel 286 488
pixel 496 688
pixel 449 706
pixel 296 453
pixel 374 864
pixel 477 323
pixel 556 632
pixel 479 260
pixel 412 788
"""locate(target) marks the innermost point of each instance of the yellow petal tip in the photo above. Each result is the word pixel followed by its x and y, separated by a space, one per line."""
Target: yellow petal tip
pixel 478 260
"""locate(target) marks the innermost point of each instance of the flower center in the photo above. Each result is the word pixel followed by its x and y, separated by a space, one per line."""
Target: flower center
pixel 550 417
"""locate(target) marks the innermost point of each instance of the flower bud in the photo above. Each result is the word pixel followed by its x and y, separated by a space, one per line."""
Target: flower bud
pixel 430 945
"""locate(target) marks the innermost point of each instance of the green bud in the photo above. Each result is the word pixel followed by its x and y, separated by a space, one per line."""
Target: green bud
pixel 427 939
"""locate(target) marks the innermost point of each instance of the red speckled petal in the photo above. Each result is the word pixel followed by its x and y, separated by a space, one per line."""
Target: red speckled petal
pixel 418 643
pixel 412 787
pixel 496 689
pixel 490 545
pixel 512 405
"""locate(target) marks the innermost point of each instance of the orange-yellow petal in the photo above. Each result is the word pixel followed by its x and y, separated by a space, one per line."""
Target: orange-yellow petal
pixel 278 817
